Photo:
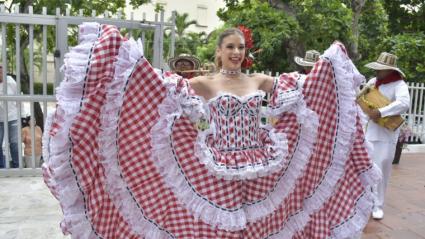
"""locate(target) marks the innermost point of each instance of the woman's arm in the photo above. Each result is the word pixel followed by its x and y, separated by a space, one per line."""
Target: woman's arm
pixel 265 82
pixel 200 86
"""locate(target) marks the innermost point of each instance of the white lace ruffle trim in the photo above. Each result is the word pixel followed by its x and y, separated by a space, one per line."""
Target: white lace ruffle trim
pixel 57 169
pixel 130 53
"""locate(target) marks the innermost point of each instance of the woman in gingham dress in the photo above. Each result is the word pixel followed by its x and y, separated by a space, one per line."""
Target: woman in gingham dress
pixel 132 152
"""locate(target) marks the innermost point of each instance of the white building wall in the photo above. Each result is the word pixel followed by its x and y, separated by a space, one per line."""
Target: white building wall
pixel 203 11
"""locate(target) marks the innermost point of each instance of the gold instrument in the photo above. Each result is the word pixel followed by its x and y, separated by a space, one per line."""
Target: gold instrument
pixel 370 98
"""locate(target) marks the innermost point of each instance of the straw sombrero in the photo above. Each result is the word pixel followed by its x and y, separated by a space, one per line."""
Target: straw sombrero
pixel 194 62
pixel 386 61
pixel 311 56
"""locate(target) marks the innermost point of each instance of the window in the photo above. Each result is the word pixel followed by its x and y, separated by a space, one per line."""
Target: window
pixel 202 11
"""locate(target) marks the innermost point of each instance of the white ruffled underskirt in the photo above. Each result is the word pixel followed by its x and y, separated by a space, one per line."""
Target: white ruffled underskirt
pixel 57 169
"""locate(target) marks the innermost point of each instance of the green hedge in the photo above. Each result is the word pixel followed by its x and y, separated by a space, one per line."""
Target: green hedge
pixel 410 49
pixel 38 88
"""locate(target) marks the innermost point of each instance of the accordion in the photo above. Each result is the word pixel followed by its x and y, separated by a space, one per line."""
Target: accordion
pixel 370 98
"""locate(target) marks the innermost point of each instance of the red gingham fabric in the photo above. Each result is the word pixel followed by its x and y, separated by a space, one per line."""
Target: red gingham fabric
pixel 159 203
pixel 101 212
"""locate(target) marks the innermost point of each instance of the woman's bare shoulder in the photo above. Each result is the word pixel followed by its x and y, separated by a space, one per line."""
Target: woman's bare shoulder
pixel 260 76
pixel 265 82
pixel 202 78
pixel 199 83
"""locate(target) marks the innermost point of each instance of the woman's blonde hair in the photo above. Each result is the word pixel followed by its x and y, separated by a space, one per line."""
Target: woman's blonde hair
pixel 226 33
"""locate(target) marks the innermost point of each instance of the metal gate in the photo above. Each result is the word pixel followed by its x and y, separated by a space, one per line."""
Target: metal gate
pixel 33 29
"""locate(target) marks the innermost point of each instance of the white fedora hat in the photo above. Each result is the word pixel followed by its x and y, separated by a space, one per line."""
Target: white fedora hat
pixel 311 56
pixel 386 61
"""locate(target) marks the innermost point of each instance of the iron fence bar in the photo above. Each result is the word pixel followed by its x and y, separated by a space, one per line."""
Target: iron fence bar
pixel 173 35
pixel 415 110
pixel 5 103
pixel 132 24
pixel 61 23
pixel 18 83
pixel 31 74
pixel 22 18
pixel 31 55
pixel 44 65
pixel 422 132
pixel 156 62
pixel 29 98
pixel 161 40
pixel 27 172
pixel 38 19
pixel 61 46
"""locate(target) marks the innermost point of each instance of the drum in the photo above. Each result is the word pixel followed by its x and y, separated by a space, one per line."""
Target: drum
pixel 370 98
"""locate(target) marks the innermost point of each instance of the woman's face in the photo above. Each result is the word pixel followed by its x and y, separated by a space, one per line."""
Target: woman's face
pixel 232 52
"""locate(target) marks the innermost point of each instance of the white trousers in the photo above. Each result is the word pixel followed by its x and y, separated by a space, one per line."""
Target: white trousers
pixel 382 156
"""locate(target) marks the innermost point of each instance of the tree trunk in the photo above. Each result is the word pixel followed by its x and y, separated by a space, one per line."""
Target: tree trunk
pixel 23 70
pixel 356 6
pixel 279 4
pixel 293 48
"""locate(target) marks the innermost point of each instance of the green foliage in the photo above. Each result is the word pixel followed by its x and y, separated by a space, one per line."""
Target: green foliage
pixel 373 26
pixel 159 8
pixel 186 42
pixel 395 26
pixel 182 23
pixel 282 33
pixel 192 41
pixel 206 51
pixel 406 15
pixel 410 50
pixel 137 3
pixel 38 88
pixel 382 25
pixel 271 31
pixel 322 22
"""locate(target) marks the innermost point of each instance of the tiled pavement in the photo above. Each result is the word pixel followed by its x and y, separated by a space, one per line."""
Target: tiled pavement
pixel 29 211
pixel 405 202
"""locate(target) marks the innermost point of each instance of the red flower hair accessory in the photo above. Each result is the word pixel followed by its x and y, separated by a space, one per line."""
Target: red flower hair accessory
pixel 247 33
pixel 249 43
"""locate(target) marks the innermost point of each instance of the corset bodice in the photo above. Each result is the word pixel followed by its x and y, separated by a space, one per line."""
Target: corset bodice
pixel 236 120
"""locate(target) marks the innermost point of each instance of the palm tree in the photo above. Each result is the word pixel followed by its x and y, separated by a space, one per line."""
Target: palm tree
pixel 184 40
pixel 182 23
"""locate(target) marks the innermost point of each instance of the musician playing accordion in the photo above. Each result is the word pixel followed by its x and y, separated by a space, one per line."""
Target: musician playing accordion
pixel 391 98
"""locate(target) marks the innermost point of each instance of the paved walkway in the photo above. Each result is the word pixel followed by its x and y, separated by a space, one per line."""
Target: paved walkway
pixel 405 206
pixel 29 211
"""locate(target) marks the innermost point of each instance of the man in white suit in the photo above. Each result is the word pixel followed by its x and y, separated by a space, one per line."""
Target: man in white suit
pixel 390 82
